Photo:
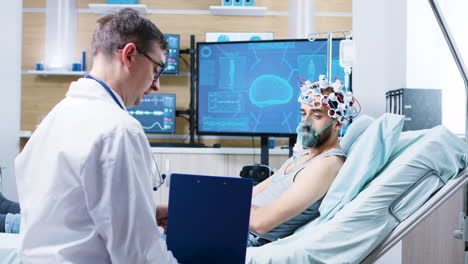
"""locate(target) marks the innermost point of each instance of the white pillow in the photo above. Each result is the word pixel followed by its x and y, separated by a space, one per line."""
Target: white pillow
pixel 354 131
pixel 371 152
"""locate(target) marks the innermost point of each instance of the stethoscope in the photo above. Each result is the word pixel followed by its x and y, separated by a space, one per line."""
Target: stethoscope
pixel 158 180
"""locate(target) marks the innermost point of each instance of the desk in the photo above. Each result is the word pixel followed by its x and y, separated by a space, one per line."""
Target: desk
pixel 209 161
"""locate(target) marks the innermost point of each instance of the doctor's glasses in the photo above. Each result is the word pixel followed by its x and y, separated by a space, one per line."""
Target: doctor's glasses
pixel 159 67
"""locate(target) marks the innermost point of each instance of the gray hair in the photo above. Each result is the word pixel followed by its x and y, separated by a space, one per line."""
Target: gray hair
pixel 125 26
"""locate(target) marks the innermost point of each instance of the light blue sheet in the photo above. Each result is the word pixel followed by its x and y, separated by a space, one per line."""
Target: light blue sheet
pixel 363 223
pixel 9 248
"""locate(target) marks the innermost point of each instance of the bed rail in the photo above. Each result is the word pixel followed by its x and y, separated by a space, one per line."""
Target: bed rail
pixel 445 193
pixel 391 208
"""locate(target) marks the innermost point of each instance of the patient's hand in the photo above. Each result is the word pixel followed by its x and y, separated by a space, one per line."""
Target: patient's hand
pixel 161 216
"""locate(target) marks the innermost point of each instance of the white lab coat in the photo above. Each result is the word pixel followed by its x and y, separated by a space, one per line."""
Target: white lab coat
pixel 85 185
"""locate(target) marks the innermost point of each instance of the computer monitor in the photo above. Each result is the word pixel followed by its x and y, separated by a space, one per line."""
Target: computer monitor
pixel 156 113
pixel 172 58
pixel 251 88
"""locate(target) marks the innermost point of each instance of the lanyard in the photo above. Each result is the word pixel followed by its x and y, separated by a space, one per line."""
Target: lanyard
pixel 106 88
pixel 156 182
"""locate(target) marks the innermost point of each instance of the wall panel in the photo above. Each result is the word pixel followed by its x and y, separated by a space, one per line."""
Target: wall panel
pixel 334 6
pixel 34 3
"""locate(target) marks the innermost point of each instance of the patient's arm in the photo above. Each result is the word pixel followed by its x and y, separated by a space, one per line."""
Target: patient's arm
pixel 262 186
pixel 310 185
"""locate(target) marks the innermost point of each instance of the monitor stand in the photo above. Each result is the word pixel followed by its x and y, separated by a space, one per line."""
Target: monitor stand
pixel 264 156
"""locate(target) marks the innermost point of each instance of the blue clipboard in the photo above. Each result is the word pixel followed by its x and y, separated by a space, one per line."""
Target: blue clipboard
pixel 208 218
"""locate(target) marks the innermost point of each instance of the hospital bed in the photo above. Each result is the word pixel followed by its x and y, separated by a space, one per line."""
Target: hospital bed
pixel 360 226
pixel 390 182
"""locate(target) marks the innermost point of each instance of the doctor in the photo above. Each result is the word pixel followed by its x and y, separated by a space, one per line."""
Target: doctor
pixel 85 177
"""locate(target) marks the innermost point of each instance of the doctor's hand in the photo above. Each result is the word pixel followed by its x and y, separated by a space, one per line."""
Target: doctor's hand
pixel 161 216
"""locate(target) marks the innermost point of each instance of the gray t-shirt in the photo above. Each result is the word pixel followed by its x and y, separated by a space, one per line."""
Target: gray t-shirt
pixel 279 184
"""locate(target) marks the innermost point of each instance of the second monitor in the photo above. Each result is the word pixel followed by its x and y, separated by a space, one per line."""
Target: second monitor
pixel 172 60
pixel 156 113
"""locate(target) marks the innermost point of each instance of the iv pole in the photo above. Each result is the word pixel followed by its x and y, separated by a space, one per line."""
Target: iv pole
pixel 312 36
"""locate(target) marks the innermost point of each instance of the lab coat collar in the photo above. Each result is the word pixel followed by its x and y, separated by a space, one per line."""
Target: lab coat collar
pixel 89 88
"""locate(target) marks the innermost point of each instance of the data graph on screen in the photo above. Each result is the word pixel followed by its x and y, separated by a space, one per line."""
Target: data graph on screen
pixel 156 113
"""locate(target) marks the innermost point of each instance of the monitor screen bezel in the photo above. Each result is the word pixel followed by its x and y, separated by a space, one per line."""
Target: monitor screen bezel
pixel 203 133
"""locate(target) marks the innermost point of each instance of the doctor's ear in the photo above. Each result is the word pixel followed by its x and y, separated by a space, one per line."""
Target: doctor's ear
pixel 128 53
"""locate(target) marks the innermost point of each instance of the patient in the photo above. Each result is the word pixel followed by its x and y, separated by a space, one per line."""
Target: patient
pixel 292 196
pixel 9 216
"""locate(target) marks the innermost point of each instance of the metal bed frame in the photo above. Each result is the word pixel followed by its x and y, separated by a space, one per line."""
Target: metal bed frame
pixel 452 186
pixel 405 227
